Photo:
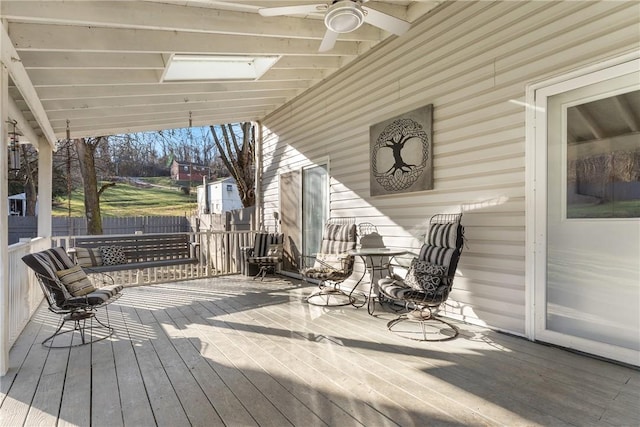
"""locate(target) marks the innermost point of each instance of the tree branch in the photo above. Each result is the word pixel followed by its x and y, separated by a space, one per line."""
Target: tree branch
pixel 104 187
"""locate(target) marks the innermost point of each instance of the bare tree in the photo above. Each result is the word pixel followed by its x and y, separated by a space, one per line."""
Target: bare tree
pixel 236 145
pixel 30 163
pixel 86 148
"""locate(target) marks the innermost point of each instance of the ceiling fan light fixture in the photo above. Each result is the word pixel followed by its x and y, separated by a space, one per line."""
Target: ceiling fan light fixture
pixel 344 16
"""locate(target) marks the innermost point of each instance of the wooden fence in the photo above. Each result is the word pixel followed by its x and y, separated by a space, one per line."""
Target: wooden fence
pixel 27 226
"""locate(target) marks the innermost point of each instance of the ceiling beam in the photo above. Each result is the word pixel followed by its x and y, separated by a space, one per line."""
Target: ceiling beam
pixel 169 17
pixel 161 108
pixel 115 126
pixel 79 77
pixel 95 130
pixel 160 89
pixel 90 60
pixel 34 60
pixel 118 102
pixel 11 60
pixel 39 37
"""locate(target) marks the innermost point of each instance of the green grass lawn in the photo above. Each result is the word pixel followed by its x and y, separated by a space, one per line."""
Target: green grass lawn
pixel 619 209
pixel 127 200
pixel 159 180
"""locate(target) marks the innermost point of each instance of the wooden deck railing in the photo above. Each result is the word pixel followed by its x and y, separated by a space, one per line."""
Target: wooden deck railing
pixel 218 253
pixel 24 292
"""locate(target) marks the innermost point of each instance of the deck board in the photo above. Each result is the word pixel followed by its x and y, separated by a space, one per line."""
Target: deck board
pixel 237 352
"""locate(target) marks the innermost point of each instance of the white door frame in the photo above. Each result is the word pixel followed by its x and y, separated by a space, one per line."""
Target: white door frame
pixel 536 186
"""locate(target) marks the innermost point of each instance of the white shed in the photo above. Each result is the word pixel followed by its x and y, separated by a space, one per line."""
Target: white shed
pixel 18 204
pixel 220 196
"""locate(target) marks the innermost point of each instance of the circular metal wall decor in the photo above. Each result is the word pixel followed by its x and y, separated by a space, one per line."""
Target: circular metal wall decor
pixel 401 158
pixel 402 173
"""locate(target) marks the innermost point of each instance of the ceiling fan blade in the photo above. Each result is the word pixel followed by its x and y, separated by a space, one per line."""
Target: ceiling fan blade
pixel 292 10
pixel 386 22
pixel 329 41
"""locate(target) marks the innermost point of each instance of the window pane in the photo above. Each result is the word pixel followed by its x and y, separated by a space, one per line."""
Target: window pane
pixel 603 158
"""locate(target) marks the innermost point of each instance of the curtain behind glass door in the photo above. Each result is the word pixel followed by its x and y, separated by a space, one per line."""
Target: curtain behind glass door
pixel 314 207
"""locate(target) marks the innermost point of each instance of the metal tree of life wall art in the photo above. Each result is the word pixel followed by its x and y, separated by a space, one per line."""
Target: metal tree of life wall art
pixel 401 153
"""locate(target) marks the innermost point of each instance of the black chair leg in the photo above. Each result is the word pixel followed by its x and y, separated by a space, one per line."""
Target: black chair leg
pixel 441 331
pixel 79 319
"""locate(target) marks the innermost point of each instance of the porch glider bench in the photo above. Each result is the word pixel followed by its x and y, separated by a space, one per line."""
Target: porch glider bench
pixel 107 253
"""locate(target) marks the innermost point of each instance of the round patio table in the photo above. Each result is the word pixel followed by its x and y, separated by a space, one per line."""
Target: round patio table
pixel 376 260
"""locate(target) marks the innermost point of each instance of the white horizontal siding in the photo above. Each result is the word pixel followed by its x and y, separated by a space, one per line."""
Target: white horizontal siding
pixel 473 62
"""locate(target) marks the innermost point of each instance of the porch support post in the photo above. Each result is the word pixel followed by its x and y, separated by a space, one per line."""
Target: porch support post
pixel 4 228
pixel 257 208
pixel 45 185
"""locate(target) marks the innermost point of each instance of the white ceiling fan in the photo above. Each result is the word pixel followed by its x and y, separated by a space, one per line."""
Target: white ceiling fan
pixel 342 16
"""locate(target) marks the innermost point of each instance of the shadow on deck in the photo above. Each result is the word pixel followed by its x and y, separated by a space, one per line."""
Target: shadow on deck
pixel 232 351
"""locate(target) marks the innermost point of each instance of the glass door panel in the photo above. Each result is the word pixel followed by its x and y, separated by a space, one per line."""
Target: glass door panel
pixel 592 288
pixel 315 205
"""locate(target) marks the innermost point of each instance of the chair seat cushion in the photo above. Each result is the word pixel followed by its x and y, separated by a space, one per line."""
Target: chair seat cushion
pixel 325 274
pixel 97 297
pixel 399 290
pixel 111 291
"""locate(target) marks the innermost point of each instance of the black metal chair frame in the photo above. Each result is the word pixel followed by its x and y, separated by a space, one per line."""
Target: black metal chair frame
pixel 77 310
pixel 78 313
pixel 264 263
pixel 329 293
pixel 423 305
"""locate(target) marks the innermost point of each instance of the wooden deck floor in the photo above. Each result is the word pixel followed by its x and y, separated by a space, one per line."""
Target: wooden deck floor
pixel 236 352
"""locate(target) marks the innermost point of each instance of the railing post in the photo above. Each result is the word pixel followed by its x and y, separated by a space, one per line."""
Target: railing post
pixel 4 230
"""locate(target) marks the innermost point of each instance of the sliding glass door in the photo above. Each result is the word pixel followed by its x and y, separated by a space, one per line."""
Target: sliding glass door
pixel 588 286
pixel 315 206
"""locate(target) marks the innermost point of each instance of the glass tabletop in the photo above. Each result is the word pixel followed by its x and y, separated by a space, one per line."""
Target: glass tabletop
pixel 377 252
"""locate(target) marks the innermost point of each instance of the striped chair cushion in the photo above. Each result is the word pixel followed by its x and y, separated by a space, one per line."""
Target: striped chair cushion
pixel 97 297
pixel 274 255
pixel 436 255
pixel 338 238
pixel 263 241
pixel 444 235
pixel 398 290
pixel 76 281
pixel 45 264
pixel 326 274
pixel 88 257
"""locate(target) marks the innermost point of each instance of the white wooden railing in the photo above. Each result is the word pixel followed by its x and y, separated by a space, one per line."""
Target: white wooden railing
pixel 218 252
pixel 24 292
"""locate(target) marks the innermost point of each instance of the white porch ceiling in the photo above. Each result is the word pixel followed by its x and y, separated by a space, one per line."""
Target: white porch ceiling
pixel 98 64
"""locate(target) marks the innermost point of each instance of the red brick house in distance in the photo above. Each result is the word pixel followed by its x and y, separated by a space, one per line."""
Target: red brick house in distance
pixel 187 171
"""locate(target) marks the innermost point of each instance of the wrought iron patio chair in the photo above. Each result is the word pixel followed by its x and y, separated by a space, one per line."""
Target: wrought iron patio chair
pixel 428 282
pixel 332 265
pixel 71 294
pixel 266 253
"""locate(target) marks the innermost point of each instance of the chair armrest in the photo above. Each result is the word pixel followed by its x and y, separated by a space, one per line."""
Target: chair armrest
pixel 343 258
